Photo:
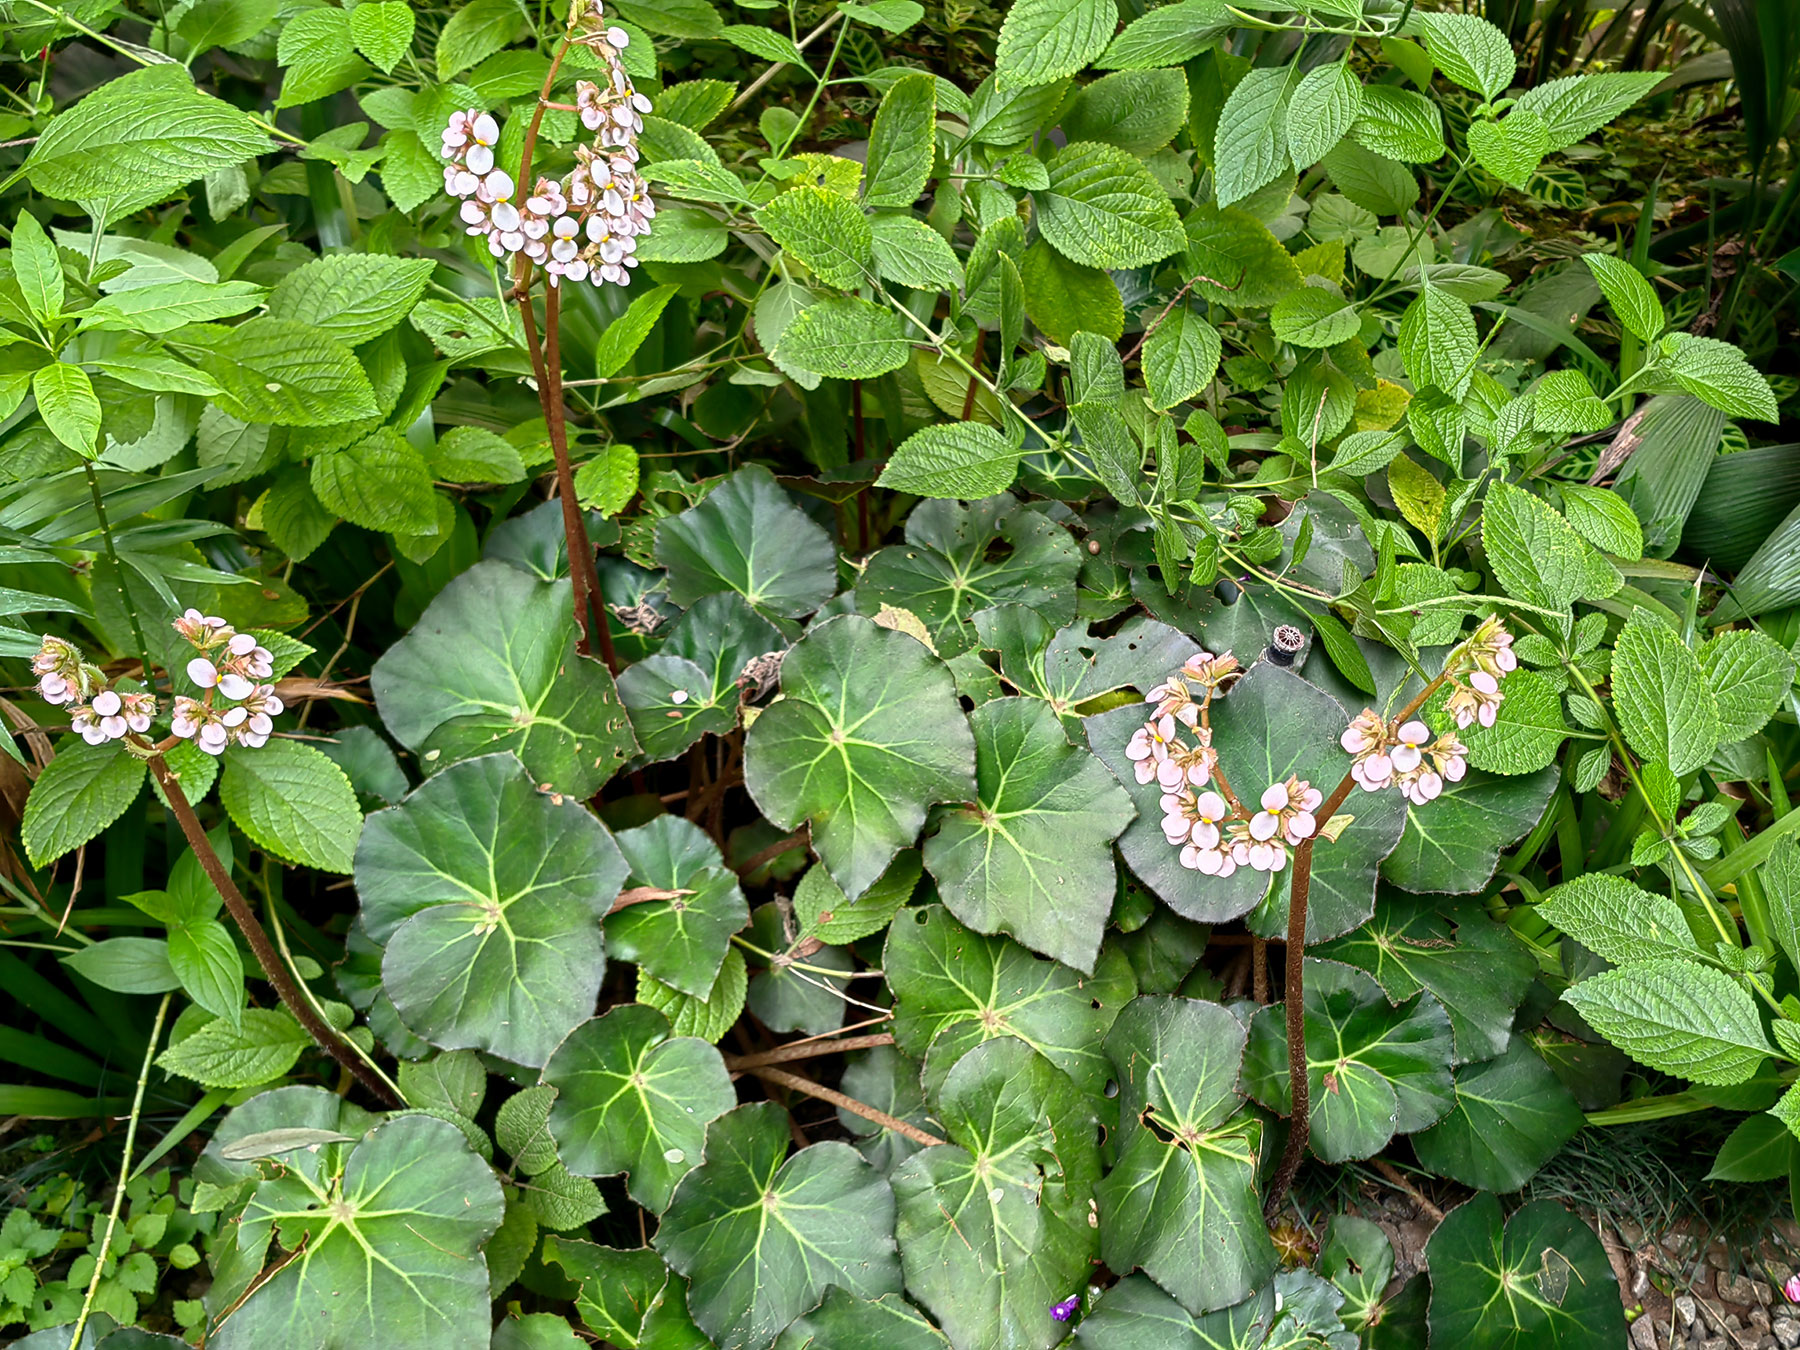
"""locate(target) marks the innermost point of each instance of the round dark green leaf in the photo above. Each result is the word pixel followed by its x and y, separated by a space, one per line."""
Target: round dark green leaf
pixel 1181 1201
pixel 868 734
pixel 994 1229
pixel 1454 842
pixel 1471 964
pixel 690 686
pixel 1136 1315
pixel 1032 856
pixel 747 536
pixel 889 1081
pixel 1512 1116
pixel 492 666
pixel 958 559
pixel 1374 1069
pixel 761 1239
pixel 389 1234
pixel 954 989
pixel 487 895
pixel 845 1322
pixel 631 1099
pixel 788 991
pixel 681 941
pixel 1542 1279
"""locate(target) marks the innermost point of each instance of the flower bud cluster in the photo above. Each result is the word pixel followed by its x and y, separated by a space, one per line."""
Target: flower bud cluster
pixel 97 713
pixel 63 677
pixel 586 228
pixel 237 707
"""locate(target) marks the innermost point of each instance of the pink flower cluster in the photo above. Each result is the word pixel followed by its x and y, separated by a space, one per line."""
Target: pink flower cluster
pixel 587 228
pixel 1215 836
pixel 97 713
pixel 229 665
pixel 1409 757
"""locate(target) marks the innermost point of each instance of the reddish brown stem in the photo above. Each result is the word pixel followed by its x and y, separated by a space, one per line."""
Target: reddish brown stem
pixel 592 626
pixel 260 946
pixel 1293 994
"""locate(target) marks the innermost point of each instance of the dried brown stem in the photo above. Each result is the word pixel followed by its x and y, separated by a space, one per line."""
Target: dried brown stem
pixel 640 895
pixel 796 1083
pixel 809 1049
pixel 260 946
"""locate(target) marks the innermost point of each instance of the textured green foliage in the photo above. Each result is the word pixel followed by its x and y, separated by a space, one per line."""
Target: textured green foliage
pixel 486 895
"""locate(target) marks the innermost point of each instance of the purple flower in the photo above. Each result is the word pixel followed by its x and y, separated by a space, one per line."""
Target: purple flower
pixel 1063 1311
pixel 1791 1288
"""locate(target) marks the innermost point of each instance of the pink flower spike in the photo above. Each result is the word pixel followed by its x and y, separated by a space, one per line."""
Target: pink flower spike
pixel 1791 1289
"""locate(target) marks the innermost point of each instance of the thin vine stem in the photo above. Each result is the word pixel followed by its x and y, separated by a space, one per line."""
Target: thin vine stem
pixel 112 556
pixel 118 1200
pixel 260 946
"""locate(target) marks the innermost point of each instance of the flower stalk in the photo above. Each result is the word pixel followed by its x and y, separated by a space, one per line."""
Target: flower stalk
pixel 258 938
pixel 584 228
pixel 1217 833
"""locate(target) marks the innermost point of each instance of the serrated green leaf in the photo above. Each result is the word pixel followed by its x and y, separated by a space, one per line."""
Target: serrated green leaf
pixel 1660 696
pixel 824 231
pixel 1629 294
pixel 1180 357
pixel 137 138
pixel 1471 52
pixel 967 460
pixel 1252 148
pixel 1104 209
pixel 1749 674
pixel 902 143
pixel 67 403
pixel 1576 106
pixel 1620 921
pixel 294 802
pixel 1325 105
pixel 352 297
pixel 81 791
pixel 381 483
pixel 1046 40
pixel 908 252
pixel 1678 1016
pixel 263 1046
pixel 845 338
